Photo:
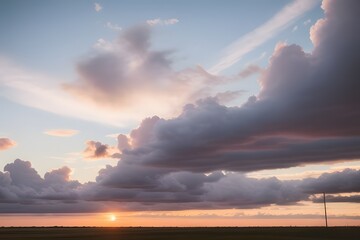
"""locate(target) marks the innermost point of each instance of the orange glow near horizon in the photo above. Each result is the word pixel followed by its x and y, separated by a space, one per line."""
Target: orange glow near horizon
pixel 304 214
pixel 95 220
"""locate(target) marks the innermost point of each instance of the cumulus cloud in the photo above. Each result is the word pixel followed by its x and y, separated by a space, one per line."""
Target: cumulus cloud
pixel 61 132
pixel 6 143
pixel 97 7
pixel 21 184
pixel 338 182
pixel 95 150
pixel 128 76
pixel 306 111
pixel 158 21
pixel 136 187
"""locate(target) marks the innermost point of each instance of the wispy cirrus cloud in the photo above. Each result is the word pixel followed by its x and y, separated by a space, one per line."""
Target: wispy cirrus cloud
pixel 34 90
pixel 61 132
pixel 159 21
pixel 263 33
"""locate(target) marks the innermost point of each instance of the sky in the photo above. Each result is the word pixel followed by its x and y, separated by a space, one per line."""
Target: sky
pixel 179 113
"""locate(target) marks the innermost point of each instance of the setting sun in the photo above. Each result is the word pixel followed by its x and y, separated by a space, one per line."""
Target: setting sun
pixel 112 218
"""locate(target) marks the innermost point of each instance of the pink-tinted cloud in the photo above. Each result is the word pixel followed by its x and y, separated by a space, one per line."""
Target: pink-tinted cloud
pixel 250 70
pixel 6 143
pixel 61 132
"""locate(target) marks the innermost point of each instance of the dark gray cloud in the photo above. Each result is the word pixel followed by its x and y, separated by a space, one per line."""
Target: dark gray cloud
pixel 334 198
pixel 135 187
pixel 306 112
pixel 338 182
pixel 21 184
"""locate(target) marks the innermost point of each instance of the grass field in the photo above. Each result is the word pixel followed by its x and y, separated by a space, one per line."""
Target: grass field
pixel 249 233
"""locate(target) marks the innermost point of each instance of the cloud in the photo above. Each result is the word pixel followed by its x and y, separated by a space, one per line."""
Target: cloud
pixel 306 112
pixel 97 7
pixel 334 198
pixel 307 22
pixel 345 181
pixel 61 132
pixel 95 150
pixel 35 90
pixel 295 28
pixel 20 183
pixel 228 96
pixel 6 143
pixel 113 26
pixel 127 75
pixel 164 93
pixel 158 21
pixel 250 70
pixel 263 33
pixel 135 187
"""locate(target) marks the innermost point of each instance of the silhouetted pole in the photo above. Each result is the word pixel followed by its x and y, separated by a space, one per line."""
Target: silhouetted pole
pixel 325 210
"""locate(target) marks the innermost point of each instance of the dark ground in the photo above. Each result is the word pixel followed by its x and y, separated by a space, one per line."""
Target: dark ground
pixel 224 233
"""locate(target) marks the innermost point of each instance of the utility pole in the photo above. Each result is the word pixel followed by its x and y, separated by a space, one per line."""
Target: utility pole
pixel 325 210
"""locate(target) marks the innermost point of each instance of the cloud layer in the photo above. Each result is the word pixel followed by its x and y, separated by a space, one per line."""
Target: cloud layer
pixel 306 112
pixel 130 187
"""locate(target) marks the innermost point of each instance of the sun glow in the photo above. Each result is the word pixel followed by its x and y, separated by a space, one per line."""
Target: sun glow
pixel 112 218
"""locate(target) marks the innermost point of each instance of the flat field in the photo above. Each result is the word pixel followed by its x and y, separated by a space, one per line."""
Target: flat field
pixel 173 233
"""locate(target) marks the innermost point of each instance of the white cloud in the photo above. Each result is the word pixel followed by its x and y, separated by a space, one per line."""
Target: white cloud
pixel 97 7
pixel 153 22
pixel 263 33
pixel 113 26
pixel 295 28
pixel 171 21
pixel 158 21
